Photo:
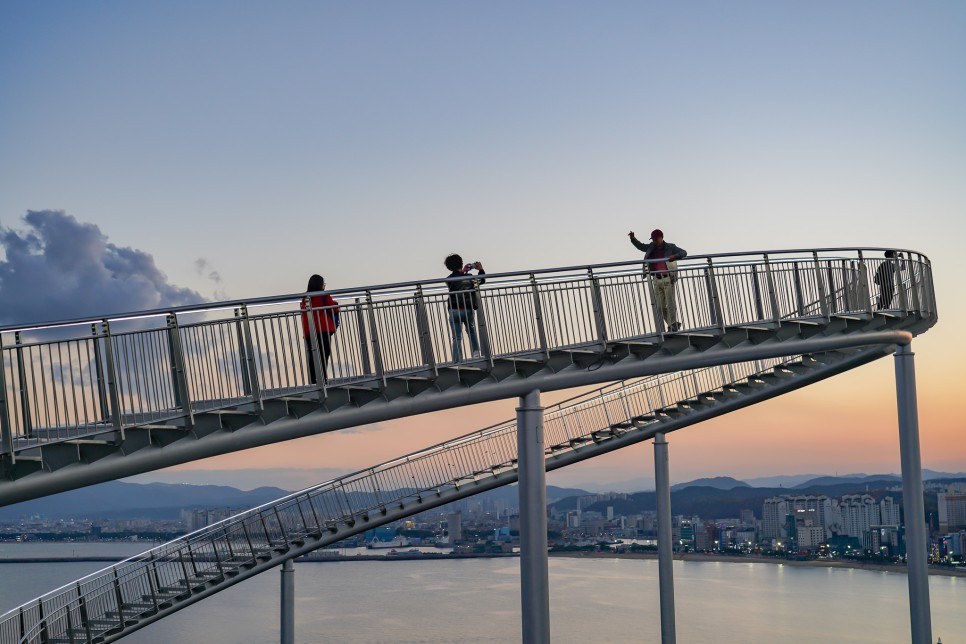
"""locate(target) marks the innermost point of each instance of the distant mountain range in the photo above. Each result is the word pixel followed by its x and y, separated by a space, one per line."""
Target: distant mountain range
pixel 715 497
pixel 118 500
pixel 122 500
pixel 717 482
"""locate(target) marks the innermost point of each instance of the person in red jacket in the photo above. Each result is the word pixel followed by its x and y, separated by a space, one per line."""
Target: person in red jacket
pixel 324 312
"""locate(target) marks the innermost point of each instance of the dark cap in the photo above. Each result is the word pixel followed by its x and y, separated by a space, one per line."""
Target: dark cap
pixel 656 233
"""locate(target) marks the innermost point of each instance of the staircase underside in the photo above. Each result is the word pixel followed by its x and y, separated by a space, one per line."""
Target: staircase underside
pixel 47 469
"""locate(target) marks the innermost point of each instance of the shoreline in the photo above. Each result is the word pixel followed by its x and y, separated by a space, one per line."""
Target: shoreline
pixel 691 556
pixel 809 563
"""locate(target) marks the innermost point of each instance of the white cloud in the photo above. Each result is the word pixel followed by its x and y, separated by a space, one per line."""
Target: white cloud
pixel 59 268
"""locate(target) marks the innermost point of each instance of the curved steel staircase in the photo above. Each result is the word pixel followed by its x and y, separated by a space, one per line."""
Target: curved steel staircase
pixel 87 401
pixel 806 316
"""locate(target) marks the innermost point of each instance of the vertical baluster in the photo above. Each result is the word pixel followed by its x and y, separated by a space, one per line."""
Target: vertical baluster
pixel 822 289
pixel 380 371
pixel 799 296
pixel 422 329
pixel 913 290
pixel 116 413
pixel 865 301
pixel 600 321
pixel 85 618
pixel 714 301
pixel 249 368
pixel 756 285
pixel 538 318
pixel 776 315
pixel 179 375
pixel 118 597
pixel 6 431
pixel 27 429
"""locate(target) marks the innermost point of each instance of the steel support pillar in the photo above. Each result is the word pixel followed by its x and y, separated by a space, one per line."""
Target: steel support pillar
pixel 288 603
pixel 665 545
pixel 915 521
pixel 534 584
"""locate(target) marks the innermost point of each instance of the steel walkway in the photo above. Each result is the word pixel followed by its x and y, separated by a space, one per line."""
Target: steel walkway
pixel 86 401
pixel 816 313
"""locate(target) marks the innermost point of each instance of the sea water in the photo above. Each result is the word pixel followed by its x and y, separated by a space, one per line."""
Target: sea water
pixel 478 600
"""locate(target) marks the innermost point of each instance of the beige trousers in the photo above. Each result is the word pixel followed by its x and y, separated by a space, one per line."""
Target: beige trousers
pixel 664 294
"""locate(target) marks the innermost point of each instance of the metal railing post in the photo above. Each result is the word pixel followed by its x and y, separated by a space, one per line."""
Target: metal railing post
pixel 102 402
pixel 897 283
pixel 179 373
pixel 422 329
pixel 822 288
pixel 44 637
pixel 6 433
pixel 366 364
pixel 865 299
pixel 538 317
pixel 249 366
pixel 714 301
pixel 119 598
pixel 848 286
pixel 27 429
pixel 486 348
pixel 380 371
pixel 799 297
pixel 756 285
pixel 776 314
pixel 85 618
pixel 600 321
pixel 116 418
pixel 913 291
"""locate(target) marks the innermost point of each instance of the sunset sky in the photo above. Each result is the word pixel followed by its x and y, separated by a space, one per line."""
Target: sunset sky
pixel 243 146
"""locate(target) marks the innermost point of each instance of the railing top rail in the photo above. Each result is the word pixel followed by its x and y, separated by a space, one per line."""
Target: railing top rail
pixel 405 287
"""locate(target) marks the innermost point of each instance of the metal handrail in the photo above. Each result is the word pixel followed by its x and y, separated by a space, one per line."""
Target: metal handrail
pixel 141 585
pixel 98 376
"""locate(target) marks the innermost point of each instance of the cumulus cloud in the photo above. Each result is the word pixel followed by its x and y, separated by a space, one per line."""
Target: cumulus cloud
pixel 59 268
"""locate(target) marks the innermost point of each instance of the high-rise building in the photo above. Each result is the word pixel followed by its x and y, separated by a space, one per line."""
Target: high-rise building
pixel 952 508
pixel 859 513
pixel 454 527
pixel 809 537
pixel 889 511
pixel 773 518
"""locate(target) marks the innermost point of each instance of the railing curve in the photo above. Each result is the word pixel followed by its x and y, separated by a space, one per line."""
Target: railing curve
pixel 67 380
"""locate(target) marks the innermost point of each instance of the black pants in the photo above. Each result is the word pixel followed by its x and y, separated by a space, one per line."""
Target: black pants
pixel 325 341
pixel 886 293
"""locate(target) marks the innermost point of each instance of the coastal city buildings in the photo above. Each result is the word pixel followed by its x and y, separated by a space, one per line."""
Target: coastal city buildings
pixel 851 525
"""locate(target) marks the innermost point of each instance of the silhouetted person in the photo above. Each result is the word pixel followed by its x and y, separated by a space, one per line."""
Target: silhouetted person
pixel 885 277
pixel 325 320
pixel 463 302
pixel 661 274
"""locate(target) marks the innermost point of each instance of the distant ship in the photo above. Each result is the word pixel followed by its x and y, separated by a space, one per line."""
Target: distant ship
pixel 398 542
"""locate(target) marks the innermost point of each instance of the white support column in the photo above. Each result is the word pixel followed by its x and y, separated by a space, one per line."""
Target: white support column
pixel 665 546
pixel 534 584
pixel 288 603
pixel 915 521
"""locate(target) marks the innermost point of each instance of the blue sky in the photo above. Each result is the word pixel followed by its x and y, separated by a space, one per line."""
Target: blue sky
pixel 365 141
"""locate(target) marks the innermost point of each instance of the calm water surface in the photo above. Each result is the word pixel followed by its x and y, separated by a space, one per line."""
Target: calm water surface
pixel 477 600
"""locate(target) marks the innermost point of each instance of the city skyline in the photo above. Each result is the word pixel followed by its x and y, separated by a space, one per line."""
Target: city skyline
pixel 242 148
